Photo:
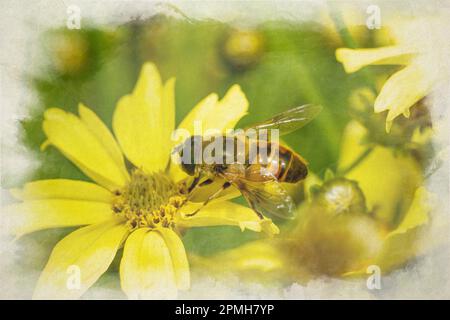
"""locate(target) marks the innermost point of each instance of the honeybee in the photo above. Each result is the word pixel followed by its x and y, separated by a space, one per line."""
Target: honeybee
pixel 257 175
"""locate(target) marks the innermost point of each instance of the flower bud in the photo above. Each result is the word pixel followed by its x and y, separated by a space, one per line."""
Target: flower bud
pixel 69 52
pixel 341 196
pixel 243 49
pixel 403 129
pixel 336 245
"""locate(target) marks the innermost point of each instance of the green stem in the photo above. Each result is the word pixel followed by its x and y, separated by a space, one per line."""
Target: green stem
pixel 355 163
pixel 349 42
pixel 341 28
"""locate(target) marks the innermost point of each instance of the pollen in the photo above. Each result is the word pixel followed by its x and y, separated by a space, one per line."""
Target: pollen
pixel 149 200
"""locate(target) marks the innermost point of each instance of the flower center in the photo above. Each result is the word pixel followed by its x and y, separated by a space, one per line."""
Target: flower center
pixel 149 200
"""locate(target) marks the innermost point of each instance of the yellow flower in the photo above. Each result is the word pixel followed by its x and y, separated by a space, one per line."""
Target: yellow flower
pixel 69 52
pixel 421 47
pixel 343 245
pixel 243 48
pixel 388 180
pixel 139 209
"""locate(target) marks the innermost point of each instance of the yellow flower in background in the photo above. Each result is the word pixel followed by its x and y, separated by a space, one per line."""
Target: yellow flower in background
pixel 422 47
pixel 324 245
pixel 139 209
pixel 243 48
pixel 70 53
pixel 387 208
pixel 388 180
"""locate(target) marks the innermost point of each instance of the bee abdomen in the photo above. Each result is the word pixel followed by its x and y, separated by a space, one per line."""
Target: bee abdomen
pixel 296 170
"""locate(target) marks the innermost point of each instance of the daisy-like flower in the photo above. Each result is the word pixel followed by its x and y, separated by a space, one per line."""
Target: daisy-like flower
pixel 137 207
pixel 422 47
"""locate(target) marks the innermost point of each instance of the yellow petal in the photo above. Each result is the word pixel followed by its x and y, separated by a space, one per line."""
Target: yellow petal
pixel 176 173
pixel 63 189
pixel 179 259
pixel 402 243
pixel 261 261
pixel 202 192
pixel 355 59
pixel 87 253
pixel 202 110
pixel 89 149
pixel 402 90
pixel 146 270
pixel 144 120
pixel 417 214
pixel 388 180
pixel 102 133
pixel 34 215
pixel 218 115
pixel 226 213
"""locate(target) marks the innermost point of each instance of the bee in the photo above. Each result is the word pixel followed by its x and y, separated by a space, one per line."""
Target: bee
pixel 258 176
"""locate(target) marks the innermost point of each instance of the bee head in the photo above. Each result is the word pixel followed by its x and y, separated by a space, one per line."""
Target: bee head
pixel 187 151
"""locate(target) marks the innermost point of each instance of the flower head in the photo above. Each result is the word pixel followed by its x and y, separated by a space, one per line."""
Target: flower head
pixel 141 207
pixel 425 65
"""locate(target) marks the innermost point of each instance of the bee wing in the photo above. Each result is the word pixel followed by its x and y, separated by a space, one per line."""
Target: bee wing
pixel 290 120
pixel 268 198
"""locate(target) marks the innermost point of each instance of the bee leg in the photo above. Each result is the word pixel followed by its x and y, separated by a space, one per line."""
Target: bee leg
pixel 259 214
pixel 211 197
pixel 194 184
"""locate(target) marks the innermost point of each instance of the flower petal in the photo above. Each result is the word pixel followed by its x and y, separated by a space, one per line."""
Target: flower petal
pixel 144 120
pixel 402 90
pixel 87 253
pixel 102 133
pixel 176 173
pixel 261 261
pixel 402 243
pixel 202 193
pixel 179 259
pixel 146 270
pixel 417 214
pixel 62 189
pixel 218 115
pixel 34 215
pixel 355 59
pixel 90 149
pixel 226 213
pixel 388 193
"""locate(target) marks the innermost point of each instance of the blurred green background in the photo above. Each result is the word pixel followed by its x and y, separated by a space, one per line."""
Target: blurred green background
pixel 279 65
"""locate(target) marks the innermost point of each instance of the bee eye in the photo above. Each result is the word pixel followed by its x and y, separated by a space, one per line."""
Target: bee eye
pixel 188 153
pixel 189 168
